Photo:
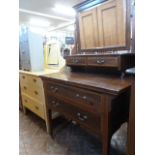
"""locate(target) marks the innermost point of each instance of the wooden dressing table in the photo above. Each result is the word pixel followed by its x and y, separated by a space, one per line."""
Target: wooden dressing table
pixel 97 101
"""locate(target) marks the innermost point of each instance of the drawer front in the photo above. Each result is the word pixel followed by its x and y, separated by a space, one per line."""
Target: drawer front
pixel 76 61
pixel 82 117
pixel 103 61
pixel 30 80
pixel 33 105
pixel 80 97
pixel 36 93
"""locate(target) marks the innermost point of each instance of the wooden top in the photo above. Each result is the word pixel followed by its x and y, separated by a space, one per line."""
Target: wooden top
pixel 100 83
pixel 39 73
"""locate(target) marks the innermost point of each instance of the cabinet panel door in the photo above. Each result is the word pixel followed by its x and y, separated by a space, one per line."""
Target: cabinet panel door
pixel 88 29
pixel 112 23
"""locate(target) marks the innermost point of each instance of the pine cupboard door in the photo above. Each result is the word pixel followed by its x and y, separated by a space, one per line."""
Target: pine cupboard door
pixel 112 23
pixel 88 29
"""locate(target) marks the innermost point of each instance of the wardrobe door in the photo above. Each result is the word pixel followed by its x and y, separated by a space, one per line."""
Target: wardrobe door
pixel 88 29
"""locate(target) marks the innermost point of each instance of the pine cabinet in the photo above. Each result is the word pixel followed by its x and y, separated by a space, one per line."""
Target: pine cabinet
pixel 104 26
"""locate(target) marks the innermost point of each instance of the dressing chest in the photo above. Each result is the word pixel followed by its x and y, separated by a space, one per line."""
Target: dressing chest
pixel 92 91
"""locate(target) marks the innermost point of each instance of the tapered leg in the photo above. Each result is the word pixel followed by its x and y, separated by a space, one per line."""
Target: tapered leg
pixel 49 123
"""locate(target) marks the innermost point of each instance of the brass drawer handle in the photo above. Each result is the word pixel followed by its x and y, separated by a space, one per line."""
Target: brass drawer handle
pixel 25 87
pixel 23 77
pixel 36 93
pixel 55 104
pixel 36 107
pixel 84 97
pixel 51 87
pixel 54 89
pixel 34 80
pixel 100 61
pixel 82 117
pixel 75 61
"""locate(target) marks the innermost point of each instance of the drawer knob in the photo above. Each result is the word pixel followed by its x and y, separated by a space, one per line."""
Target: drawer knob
pixel 23 77
pixel 36 93
pixel 25 87
pixel 34 80
pixel 77 95
pixel 25 101
pixel 36 107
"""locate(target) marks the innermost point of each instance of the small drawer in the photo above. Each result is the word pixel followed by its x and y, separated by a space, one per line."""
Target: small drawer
pixel 76 61
pixel 33 105
pixel 80 97
pixel 30 80
pixel 84 118
pixel 103 61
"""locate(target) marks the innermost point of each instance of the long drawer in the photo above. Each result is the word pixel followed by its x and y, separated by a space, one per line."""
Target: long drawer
pixel 90 101
pixel 84 118
pixel 35 92
pixel 30 80
pixel 33 105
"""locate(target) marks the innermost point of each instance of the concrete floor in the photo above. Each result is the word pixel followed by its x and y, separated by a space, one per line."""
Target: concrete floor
pixel 71 140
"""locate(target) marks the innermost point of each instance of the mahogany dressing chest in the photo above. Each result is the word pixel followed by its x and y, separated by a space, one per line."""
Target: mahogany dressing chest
pixel 92 92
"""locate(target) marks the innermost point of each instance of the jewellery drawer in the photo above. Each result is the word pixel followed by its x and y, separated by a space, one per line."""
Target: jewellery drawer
pixel 84 118
pixel 80 97
pixel 103 61
pixel 33 105
pixel 76 61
